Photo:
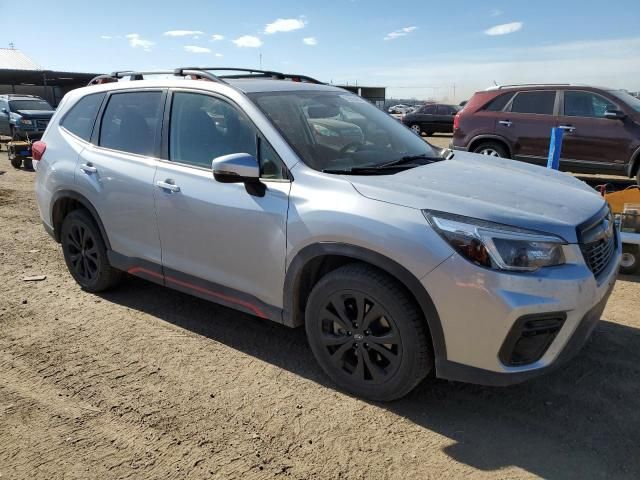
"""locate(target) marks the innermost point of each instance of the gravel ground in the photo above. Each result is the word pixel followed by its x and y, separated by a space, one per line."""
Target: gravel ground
pixel 145 382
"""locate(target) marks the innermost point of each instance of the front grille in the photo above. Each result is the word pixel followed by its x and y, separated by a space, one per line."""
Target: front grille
pixel 598 243
pixel 42 124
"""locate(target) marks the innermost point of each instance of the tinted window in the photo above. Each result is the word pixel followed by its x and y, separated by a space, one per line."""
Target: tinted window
pixel 130 120
pixel 428 109
pixel 534 102
pixel 585 104
pixel 204 127
pixel 447 110
pixel 82 116
pixel 498 103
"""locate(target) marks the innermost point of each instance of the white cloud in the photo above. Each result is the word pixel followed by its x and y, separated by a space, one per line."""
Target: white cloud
pixel 400 33
pixel 284 25
pixel 310 41
pixel 136 41
pixel 248 41
pixel 216 37
pixel 106 37
pixel 196 49
pixel 182 33
pixel 504 29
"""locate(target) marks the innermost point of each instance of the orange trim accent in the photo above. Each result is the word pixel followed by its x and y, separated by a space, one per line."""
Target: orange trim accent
pixel 206 291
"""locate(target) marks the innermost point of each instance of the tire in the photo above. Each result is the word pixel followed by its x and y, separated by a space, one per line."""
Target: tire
pixel 85 253
pixel 415 128
pixel 16 162
pixel 492 149
pixel 349 346
pixel 28 164
pixel 630 263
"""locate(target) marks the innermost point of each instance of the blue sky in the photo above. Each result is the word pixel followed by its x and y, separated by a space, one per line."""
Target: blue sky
pixel 420 49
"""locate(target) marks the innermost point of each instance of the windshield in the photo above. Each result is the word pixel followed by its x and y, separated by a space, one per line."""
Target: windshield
pixel 35 104
pixel 339 130
pixel 630 100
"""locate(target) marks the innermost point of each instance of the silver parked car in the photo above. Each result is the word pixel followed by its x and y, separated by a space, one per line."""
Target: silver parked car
pixel 399 258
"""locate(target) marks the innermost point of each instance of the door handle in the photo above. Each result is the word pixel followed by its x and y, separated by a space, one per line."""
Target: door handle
pixel 88 168
pixel 506 123
pixel 168 186
pixel 567 128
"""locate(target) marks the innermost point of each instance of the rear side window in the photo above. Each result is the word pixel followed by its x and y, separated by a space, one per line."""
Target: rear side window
pixel 540 103
pixel 130 122
pixel 498 103
pixel 80 119
pixel 428 109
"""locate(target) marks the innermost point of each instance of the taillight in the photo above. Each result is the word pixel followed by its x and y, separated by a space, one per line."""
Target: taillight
pixel 37 150
pixel 456 121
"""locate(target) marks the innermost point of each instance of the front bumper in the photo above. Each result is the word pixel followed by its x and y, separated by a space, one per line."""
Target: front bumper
pixel 478 309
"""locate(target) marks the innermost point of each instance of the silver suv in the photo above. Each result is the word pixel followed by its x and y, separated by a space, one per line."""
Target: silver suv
pixel 301 203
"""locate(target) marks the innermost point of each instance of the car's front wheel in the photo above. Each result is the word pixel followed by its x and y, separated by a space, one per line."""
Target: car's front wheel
pixel 367 334
pixel 85 253
pixel 415 128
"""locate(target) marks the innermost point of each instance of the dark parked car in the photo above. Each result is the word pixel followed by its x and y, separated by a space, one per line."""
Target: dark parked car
pixel 601 126
pixel 431 118
pixel 23 116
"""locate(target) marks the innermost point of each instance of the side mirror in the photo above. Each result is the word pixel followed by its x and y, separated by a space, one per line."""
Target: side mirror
pixel 614 114
pixel 236 168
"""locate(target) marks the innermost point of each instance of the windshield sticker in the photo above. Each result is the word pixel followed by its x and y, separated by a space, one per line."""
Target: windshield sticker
pixel 353 98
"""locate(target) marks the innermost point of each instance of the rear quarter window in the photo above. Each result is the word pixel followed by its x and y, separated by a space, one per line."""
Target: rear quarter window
pixel 80 119
pixel 498 103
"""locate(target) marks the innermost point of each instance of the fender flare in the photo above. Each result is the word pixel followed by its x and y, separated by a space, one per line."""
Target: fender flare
pixel 405 277
pixel 490 136
pixel 61 194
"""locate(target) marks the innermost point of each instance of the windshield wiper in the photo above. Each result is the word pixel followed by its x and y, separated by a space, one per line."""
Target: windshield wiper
pixel 379 170
pixel 407 159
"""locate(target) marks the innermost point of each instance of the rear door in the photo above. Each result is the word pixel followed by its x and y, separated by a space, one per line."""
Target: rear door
pixel 444 118
pixel 426 117
pixel 592 143
pixel 527 122
pixel 116 173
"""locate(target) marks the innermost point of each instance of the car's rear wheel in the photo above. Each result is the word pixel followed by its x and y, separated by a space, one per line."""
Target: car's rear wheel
pixel 367 334
pixel 491 149
pixel 415 128
pixel 85 253
pixel 630 262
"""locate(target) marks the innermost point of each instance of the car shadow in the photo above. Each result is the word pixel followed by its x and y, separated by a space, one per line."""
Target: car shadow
pixel 580 421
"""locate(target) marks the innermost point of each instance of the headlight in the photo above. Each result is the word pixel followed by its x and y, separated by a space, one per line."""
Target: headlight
pixel 497 246
pixel 25 121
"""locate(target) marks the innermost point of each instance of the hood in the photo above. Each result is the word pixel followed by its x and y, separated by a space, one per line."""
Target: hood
pixel 36 113
pixel 493 189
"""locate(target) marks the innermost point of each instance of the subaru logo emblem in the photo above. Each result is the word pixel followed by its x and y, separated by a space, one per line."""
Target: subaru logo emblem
pixel 358 337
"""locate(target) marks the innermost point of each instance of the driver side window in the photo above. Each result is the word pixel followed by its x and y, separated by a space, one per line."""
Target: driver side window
pixel 202 127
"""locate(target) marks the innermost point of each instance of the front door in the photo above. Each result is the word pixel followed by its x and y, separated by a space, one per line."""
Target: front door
pixel 592 143
pixel 527 124
pixel 220 241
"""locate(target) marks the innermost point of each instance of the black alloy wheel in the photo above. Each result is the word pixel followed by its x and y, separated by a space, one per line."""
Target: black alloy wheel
pixel 367 333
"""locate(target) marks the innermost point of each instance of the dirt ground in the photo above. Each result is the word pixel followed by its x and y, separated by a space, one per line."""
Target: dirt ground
pixel 145 382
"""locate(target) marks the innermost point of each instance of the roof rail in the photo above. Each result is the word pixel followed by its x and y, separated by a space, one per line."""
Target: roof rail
pixel 205 73
pixel 500 87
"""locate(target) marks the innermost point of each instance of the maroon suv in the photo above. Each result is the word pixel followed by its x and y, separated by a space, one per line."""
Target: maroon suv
pixel 601 126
